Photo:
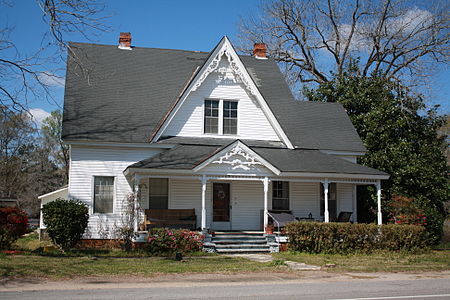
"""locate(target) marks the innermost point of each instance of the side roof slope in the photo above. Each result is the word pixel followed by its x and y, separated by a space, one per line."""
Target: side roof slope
pixel 115 95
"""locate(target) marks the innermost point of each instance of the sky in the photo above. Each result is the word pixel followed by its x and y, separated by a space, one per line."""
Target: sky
pixel 190 25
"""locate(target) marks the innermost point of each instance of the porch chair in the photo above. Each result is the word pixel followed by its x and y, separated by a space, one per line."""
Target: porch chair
pixel 344 217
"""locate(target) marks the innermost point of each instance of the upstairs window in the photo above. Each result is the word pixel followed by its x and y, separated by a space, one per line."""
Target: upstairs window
pixel 220 117
pixel 211 116
pixel 229 117
pixel 103 194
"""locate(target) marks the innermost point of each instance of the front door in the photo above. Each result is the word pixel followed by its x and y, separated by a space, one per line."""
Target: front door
pixel 221 206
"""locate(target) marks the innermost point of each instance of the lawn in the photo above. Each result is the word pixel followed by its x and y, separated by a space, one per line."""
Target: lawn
pixel 377 262
pixel 66 267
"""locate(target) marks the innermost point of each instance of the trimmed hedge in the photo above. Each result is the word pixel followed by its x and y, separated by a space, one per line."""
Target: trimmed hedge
pixel 167 241
pixel 346 238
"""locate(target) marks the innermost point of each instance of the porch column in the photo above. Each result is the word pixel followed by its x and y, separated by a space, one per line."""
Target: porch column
pixel 266 209
pixel 379 215
pixel 135 204
pixel 326 213
pixel 204 181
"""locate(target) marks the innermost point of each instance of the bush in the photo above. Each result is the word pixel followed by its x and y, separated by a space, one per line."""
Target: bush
pixel 346 238
pixel 13 224
pixel 66 221
pixel 167 241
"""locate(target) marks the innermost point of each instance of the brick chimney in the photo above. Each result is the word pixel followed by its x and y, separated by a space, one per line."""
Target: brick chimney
pixel 125 40
pixel 260 50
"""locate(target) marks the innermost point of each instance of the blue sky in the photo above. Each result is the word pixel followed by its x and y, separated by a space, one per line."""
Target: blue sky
pixel 191 25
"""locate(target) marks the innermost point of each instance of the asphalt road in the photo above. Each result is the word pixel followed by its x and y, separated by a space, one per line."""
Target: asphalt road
pixel 367 289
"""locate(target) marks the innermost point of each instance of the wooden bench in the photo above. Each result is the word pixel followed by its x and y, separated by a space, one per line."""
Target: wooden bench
pixel 177 218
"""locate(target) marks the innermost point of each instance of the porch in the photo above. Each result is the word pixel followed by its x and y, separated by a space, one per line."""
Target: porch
pixel 231 202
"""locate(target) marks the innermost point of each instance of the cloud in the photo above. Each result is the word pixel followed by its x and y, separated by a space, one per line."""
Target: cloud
pixel 51 79
pixel 39 115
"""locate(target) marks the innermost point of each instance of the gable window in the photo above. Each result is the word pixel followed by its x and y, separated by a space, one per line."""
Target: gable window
pixel 103 194
pixel 229 117
pixel 280 195
pixel 158 193
pixel 211 116
pixel 221 117
pixel 332 202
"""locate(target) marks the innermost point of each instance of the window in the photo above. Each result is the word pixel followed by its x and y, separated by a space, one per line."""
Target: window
pixel 211 116
pixel 220 117
pixel 229 117
pixel 332 202
pixel 103 194
pixel 280 195
pixel 158 193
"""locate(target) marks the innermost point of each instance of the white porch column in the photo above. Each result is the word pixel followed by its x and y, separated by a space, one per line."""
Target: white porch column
pixel 204 181
pixel 136 204
pixel 379 215
pixel 266 197
pixel 326 213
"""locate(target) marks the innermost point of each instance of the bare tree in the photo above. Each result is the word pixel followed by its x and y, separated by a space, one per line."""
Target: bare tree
pixel 24 75
pixel 316 39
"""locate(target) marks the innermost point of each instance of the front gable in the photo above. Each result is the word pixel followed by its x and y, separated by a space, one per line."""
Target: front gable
pixel 223 78
pixel 237 158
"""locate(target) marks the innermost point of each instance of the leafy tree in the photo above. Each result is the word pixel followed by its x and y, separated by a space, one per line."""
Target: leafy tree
pixel 51 137
pixel 66 221
pixel 401 136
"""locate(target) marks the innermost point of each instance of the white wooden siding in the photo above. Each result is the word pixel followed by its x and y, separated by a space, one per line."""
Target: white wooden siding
pixel 252 122
pixel 247 199
pixel 186 194
pixel 87 162
pixel 305 199
pixel 345 197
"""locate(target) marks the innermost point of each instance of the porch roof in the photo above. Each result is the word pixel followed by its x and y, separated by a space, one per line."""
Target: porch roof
pixel 187 157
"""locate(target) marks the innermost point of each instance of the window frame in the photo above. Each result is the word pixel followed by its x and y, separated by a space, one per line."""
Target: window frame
pixel 92 208
pixel 168 191
pixel 288 185
pixel 220 131
pixel 212 117
pixel 230 118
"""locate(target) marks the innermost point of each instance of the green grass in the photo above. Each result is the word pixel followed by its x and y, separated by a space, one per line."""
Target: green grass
pixel 377 262
pixel 66 267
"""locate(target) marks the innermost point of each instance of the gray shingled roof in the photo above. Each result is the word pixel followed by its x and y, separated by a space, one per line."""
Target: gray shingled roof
pixel 286 160
pixel 121 96
pixel 210 141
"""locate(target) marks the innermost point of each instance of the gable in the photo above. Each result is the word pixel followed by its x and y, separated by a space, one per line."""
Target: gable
pixel 231 75
pixel 237 158
pixel 222 84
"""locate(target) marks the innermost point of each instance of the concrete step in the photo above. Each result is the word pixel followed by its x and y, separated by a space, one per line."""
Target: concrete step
pixel 241 246
pixel 247 250
pixel 238 242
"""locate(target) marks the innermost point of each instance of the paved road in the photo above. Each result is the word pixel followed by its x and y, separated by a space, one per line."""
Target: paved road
pixel 367 289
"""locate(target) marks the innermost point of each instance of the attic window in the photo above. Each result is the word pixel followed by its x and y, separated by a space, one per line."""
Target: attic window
pixel 220 117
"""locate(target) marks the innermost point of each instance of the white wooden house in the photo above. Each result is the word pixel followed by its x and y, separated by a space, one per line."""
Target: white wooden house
pixel 218 132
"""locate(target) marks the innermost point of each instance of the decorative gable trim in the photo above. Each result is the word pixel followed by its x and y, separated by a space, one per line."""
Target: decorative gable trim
pixel 211 64
pixel 247 158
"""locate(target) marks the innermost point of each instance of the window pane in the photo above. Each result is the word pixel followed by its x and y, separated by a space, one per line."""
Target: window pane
pixel 211 118
pixel 103 194
pixel 280 195
pixel 229 117
pixel 158 193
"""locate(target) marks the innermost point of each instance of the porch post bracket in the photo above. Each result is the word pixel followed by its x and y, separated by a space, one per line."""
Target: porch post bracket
pixel 266 210
pixel 204 181
pixel 379 215
pixel 326 212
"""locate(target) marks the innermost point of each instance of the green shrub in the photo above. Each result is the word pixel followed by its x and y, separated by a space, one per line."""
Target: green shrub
pixel 66 221
pixel 167 241
pixel 13 224
pixel 346 238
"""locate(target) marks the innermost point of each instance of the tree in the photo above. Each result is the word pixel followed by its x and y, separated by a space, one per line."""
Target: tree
pixel 16 142
pixel 316 39
pixel 51 138
pixel 401 136
pixel 24 75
